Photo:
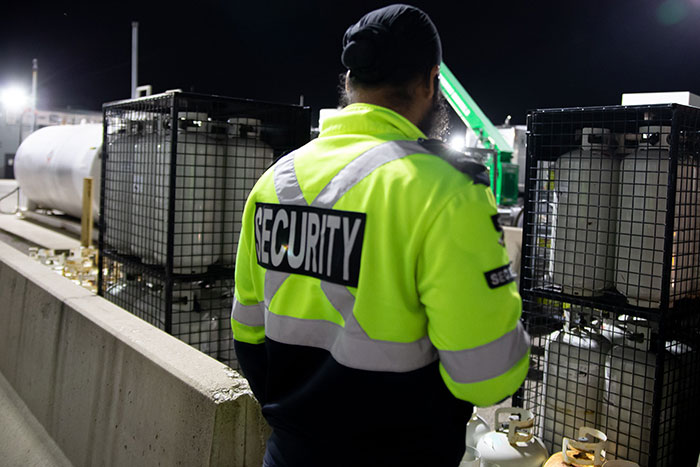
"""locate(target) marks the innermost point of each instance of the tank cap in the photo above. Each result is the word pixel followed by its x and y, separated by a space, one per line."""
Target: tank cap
pixel 518 430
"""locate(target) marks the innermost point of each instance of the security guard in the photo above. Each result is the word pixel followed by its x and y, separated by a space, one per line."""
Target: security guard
pixel 374 302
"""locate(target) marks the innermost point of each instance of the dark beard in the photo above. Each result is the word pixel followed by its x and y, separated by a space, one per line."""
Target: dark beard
pixel 436 122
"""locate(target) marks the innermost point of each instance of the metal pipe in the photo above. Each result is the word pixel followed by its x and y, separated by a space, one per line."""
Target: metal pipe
pixel 35 71
pixel 134 57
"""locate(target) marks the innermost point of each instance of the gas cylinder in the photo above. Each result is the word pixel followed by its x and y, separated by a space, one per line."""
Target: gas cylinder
pixel 247 158
pixel 476 428
pixel 149 161
pixel 626 407
pixel 471 458
pixel 643 198
pixel 196 235
pixel 620 463
pixel 587 449
pixel 192 319
pixel 511 443
pixel 122 141
pixel 585 183
pixel 574 376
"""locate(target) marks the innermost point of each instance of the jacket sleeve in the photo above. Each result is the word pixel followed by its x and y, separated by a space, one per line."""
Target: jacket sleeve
pixel 248 314
pixel 471 300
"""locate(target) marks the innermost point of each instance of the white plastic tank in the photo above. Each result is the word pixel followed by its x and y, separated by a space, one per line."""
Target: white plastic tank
pixel 642 211
pixel 247 159
pixel 52 162
pixel 514 445
pixel 585 182
pixel 574 378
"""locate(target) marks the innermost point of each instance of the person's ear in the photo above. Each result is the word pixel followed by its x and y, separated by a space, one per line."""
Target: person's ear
pixel 432 83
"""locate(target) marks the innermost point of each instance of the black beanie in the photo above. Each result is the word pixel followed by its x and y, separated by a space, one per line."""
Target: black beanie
pixel 397 39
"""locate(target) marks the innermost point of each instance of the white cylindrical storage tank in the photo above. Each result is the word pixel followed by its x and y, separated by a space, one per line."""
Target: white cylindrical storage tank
pixel 643 198
pixel 52 162
pixel 573 383
pixel 585 182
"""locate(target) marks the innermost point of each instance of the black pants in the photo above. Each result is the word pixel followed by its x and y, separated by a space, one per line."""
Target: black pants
pixel 284 451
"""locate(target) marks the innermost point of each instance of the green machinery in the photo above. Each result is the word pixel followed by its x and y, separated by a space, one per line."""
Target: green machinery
pixel 502 173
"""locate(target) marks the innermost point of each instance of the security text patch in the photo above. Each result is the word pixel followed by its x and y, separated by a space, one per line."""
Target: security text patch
pixel 322 243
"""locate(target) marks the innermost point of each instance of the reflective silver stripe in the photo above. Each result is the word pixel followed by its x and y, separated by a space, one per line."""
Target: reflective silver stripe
pixel 489 360
pixel 349 345
pixel 250 315
pixel 340 297
pixel 286 182
pixel 362 166
pixel 349 350
pixel 273 282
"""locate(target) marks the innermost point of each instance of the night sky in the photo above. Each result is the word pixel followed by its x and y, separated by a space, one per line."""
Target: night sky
pixel 511 56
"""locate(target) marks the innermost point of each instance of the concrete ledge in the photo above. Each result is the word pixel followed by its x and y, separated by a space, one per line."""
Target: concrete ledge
pixel 111 389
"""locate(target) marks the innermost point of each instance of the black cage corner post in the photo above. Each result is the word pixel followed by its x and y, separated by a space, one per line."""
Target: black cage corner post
pixel 177 169
pixel 611 278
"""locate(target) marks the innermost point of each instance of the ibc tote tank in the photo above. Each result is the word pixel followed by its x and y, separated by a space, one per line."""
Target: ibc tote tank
pixel 52 162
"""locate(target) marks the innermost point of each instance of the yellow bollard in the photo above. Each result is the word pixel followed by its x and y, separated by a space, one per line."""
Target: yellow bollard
pixel 86 220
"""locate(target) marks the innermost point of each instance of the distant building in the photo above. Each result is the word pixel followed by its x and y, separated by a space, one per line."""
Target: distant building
pixel 17 125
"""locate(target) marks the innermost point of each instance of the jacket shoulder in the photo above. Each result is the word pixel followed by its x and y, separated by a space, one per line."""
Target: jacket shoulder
pixel 459 160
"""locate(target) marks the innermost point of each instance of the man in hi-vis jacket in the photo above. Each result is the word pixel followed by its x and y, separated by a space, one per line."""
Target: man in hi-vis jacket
pixel 374 300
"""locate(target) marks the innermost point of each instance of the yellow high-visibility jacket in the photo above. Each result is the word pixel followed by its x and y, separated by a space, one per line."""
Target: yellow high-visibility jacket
pixel 382 253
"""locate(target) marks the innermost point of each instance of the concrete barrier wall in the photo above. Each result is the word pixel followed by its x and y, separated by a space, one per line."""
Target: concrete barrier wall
pixel 111 389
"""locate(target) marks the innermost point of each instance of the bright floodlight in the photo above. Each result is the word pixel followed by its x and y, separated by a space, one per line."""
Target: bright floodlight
pixel 14 98
pixel 457 142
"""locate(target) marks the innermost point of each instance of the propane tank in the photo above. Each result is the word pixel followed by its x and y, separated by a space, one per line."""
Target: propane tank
pixel 476 428
pixel 471 458
pixel 52 162
pixel 626 408
pixel 197 235
pixel 620 463
pixel 643 196
pixel 588 449
pixel 247 158
pixel 192 320
pixel 119 183
pixel 585 183
pixel 574 376
pixel 513 444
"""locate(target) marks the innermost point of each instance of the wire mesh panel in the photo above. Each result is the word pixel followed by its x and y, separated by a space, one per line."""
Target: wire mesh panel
pixel 198 310
pixel 177 170
pixel 611 260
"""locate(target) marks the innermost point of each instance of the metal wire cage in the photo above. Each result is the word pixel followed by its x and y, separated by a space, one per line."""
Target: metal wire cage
pixel 610 277
pixel 177 169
